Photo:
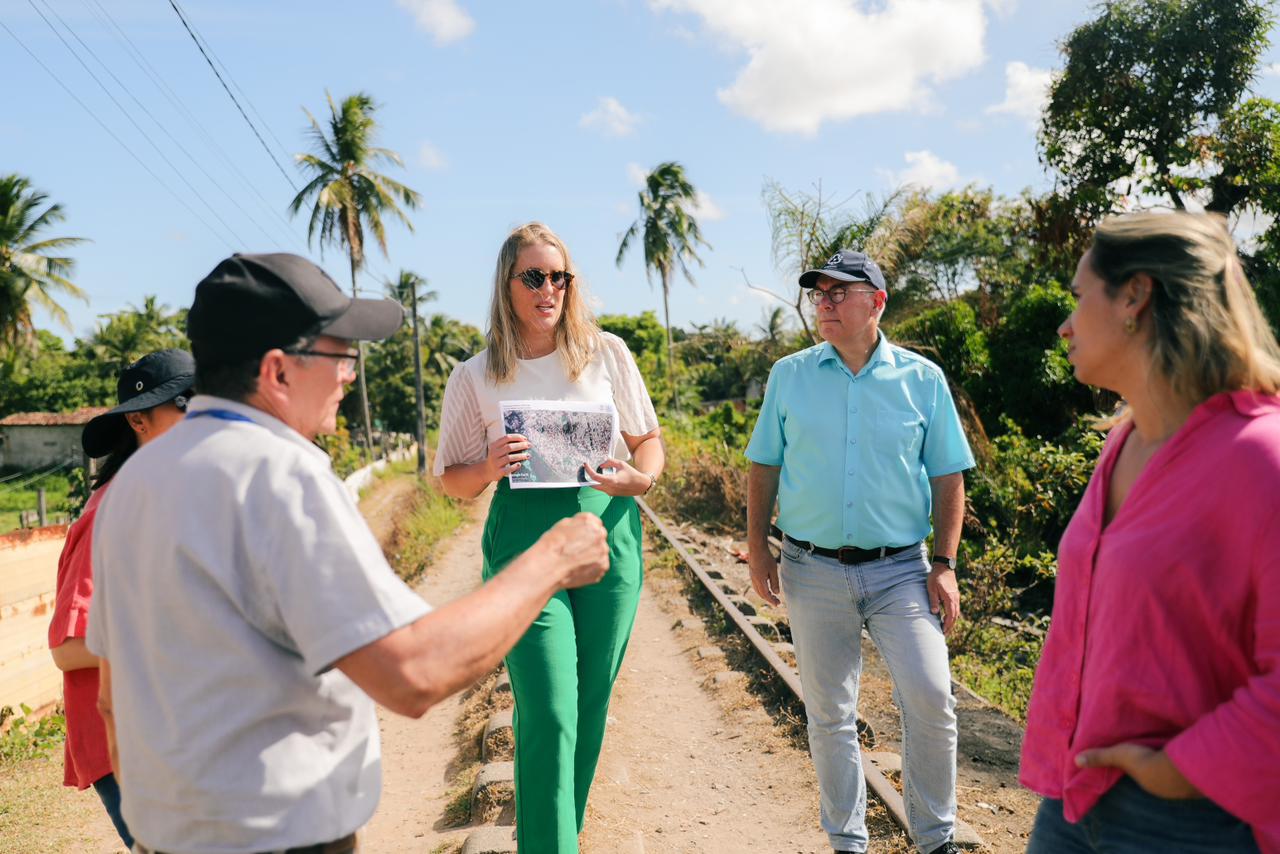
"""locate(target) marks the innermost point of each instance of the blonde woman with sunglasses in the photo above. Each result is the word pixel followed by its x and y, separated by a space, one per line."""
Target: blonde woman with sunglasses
pixel 544 344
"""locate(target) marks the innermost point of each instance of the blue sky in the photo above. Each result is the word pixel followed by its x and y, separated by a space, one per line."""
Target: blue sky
pixel 510 112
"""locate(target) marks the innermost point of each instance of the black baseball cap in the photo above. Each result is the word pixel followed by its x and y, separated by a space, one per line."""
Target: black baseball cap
pixel 154 379
pixel 250 304
pixel 847 266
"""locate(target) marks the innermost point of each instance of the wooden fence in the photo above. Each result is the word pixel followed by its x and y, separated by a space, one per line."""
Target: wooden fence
pixel 28 575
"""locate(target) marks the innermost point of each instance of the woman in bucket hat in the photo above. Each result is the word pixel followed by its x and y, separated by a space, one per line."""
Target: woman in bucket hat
pixel 152 395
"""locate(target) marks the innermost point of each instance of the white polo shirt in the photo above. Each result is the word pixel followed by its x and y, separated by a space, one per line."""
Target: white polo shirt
pixel 231 569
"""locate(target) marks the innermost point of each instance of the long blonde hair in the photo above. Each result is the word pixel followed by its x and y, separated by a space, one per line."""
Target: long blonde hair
pixel 1208 333
pixel 577 335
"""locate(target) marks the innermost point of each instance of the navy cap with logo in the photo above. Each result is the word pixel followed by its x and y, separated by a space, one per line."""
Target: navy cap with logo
pixel 250 304
pixel 156 378
pixel 847 266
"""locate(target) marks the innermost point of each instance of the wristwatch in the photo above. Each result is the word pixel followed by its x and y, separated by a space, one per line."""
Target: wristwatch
pixel 653 478
pixel 948 562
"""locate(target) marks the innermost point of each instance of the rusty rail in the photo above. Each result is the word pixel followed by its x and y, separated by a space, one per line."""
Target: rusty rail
pixel 876 781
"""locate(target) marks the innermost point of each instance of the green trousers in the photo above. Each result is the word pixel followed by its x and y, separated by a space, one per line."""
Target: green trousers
pixel 563 669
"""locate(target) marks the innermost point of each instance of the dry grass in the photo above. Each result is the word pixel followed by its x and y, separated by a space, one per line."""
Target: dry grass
pixel 477 707
pixel 37 813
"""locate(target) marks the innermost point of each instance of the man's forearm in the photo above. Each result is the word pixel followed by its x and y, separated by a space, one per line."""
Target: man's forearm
pixel 465 639
pixel 762 492
pixel 948 512
pixel 419 665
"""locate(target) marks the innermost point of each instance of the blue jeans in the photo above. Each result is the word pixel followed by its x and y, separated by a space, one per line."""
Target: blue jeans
pixel 828 604
pixel 109 791
pixel 1130 820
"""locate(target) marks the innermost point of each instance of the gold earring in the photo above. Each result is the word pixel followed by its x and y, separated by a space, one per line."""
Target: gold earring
pixel 1130 325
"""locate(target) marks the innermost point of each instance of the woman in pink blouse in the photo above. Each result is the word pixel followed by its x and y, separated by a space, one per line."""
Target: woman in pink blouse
pixel 1154 724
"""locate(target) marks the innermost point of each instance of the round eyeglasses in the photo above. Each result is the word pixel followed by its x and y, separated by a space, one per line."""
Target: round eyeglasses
pixel 836 294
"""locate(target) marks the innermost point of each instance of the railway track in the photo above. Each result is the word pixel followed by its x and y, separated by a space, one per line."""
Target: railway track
pixel 876 764
pixel 987 787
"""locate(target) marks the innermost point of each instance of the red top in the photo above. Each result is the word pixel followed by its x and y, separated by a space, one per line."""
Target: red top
pixel 1166 626
pixel 85 755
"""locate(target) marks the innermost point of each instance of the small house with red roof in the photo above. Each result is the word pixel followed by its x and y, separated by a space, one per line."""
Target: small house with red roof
pixel 37 440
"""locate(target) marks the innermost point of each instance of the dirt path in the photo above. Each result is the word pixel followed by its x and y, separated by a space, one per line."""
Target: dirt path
pixel 681 772
pixel 684 769
pixel 381 505
pixel 418 757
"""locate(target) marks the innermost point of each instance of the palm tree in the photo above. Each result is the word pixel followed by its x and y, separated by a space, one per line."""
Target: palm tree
pixel 30 276
pixel 446 342
pixel 405 291
pixel 347 195
pixel 773 326
pixel 131 333
pixel 808 228
pixel 670 236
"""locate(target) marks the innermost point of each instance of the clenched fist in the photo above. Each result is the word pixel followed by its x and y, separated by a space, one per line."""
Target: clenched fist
pixel 579 549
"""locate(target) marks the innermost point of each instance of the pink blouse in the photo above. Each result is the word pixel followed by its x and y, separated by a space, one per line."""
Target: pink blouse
pixel 1166 625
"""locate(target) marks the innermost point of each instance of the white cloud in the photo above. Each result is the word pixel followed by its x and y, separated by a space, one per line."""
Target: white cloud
pixel 926 171
pixel 832 60
pixel 610 118
pixel 1025 91
pixel 430 157
pixel 445 20
pixel 704 208
pixel 636 174
pixel 1273 69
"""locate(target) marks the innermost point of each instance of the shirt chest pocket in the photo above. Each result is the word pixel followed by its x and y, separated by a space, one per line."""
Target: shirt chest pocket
pixel 898 432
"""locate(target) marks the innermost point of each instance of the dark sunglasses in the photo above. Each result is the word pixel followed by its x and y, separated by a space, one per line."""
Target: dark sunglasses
pixel 533 278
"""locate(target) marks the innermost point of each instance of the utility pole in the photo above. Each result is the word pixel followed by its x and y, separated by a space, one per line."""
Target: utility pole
pixel 420 423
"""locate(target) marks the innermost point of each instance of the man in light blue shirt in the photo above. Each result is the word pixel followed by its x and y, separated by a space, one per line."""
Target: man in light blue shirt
pixel 859 443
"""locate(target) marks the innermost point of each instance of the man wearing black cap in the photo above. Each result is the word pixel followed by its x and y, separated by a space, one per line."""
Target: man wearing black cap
pixel 245 615
pixel 859 443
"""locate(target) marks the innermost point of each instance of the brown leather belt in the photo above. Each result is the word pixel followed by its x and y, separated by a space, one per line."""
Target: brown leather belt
pixel 345 845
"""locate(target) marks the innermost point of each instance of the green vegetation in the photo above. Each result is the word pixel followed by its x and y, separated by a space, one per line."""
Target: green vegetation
pixel 421 532
pixel 347 195
pixel 24 738
pixel 669 234
pixel 31 274
pixel 19 495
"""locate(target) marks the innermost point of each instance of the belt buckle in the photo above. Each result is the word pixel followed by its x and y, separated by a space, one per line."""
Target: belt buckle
pixel 848 555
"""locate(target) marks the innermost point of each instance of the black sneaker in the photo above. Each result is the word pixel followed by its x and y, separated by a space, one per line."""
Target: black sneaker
pixel 947 847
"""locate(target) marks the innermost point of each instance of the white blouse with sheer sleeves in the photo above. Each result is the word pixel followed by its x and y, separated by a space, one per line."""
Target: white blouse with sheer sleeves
pixel 470 419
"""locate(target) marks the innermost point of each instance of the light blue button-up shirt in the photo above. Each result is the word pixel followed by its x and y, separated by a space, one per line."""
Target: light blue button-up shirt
pixel 857 450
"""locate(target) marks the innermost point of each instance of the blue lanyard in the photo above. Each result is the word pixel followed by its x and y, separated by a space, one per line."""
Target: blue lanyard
pixel 221 415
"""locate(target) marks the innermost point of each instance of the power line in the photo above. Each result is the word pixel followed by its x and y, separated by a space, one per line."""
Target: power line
pixel 203 132
pixel 243 94
pixel 158 123
pixel 236 239
pixel 38 476
pixel 114 136
pixel 231 94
